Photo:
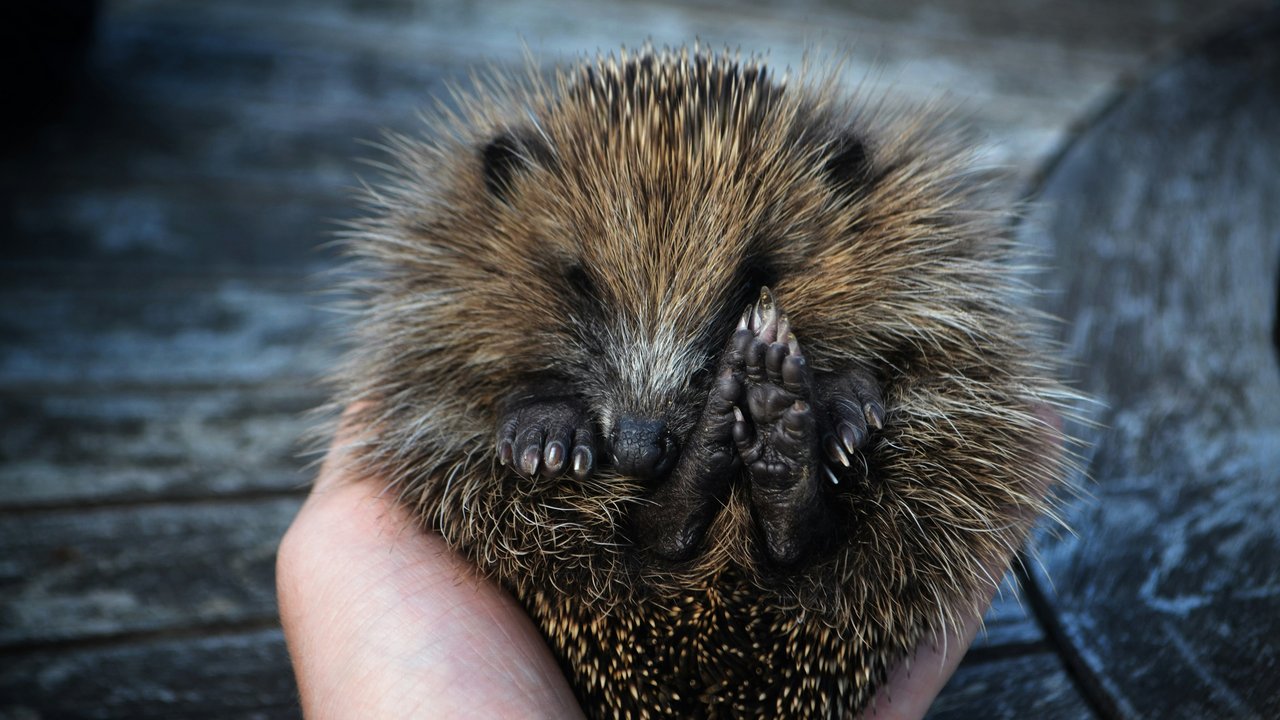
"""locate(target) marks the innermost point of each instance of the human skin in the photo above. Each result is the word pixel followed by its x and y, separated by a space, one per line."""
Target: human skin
pixel 382 620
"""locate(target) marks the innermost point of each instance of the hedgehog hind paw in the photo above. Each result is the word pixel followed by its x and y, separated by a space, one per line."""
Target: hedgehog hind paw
pixel 676 514
pixel 777 436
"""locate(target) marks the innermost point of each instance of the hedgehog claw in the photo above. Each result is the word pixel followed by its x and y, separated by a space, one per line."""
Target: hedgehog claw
pixel 784 334
pixel 765 317
pixel 553 456
pixel 855 406
pixel 851 437
pixel 835 452
pixel 530 459
pixel 874 414
pixel 831 475
pixel 582 461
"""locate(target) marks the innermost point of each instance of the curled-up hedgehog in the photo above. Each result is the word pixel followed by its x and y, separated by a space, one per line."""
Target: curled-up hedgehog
pixel 725 376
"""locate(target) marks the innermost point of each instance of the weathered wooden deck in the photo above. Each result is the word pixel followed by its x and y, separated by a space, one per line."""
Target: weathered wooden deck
pixel 160 334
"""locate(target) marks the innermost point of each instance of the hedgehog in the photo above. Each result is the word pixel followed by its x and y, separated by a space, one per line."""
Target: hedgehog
pixel 728 376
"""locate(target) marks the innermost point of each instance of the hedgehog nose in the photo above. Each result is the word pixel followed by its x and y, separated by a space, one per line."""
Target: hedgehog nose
pixel 643 448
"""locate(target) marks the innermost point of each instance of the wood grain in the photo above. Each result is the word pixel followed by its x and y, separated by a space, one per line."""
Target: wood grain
pixel 95 574
pixel 1164 227
pixel 1023 686
pixel 241 674
pixel 159 331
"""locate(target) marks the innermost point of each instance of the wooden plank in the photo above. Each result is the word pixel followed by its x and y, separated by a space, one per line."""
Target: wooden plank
pixel 179 101
pixel 119 386
pixel 100 573
pixel 1026 90
pixel 227 675
pixel 1022 72
pixel 1009 623
pixel 1012 688
pixel 1010 38
pixel 215 225
pixel 195 114
pixel 180 141
pixel 67 447
pixel 1095 27
pixel 157 329
pixel 1163 224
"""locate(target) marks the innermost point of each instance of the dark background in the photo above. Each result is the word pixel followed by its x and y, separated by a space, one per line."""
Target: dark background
pixel 171 170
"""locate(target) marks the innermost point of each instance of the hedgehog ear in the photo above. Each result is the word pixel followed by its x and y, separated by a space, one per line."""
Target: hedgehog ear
pixel 509 153
pixel 848 167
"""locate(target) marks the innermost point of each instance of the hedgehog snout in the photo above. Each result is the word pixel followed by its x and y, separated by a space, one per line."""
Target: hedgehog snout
pixel 642 447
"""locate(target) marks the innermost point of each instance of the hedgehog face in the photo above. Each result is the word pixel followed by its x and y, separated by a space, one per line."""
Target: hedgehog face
pixel 633 217
pixel 639 271
pixel 645 356
pixel 636 297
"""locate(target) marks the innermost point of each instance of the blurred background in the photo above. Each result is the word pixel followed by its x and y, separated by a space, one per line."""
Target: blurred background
pixel 171 170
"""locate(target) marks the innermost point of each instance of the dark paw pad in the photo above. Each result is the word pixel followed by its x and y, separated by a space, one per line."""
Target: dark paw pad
pixel 547 436
pixel 778 441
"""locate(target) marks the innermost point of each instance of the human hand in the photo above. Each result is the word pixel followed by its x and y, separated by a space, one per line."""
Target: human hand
pixel 382 620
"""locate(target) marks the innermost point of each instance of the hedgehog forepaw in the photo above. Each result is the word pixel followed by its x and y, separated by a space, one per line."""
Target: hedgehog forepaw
pixel 547 437
pixel 855 410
